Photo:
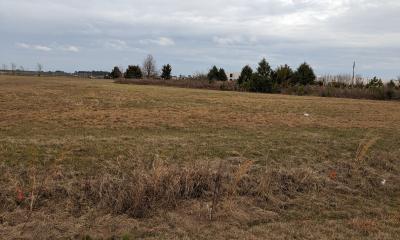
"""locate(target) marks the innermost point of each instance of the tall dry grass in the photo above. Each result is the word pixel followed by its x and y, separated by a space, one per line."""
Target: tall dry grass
pixel 184 83
pixel 140 191
pixel 379 93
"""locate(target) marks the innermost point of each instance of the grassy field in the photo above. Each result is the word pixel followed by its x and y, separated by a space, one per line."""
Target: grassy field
pixel 105 160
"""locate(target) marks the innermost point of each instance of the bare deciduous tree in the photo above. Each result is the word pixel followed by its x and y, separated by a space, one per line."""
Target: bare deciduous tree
pixel 4 67
pixel 13 67
pixel 149 66
pixel 39 68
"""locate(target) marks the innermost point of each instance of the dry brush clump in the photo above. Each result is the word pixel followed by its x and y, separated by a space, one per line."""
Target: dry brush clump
pixel 184 83
pixel 378 93
pixel 139 191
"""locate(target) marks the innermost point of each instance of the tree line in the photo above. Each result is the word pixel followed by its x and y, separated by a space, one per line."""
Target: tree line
pixel 265 79
pixel 147 70
pixel 283 79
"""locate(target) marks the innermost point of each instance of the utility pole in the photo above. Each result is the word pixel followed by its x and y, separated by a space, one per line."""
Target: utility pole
pixel 354 67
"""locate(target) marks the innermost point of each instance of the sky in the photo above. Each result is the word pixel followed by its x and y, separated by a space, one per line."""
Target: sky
pixel 194 35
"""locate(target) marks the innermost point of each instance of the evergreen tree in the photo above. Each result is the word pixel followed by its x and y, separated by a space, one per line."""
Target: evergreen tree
pixel 213 74
pixel 304 75
pixel 245 75
pixel 116 73
pixel 166 72
pixel 264 69
pixel 222 75
pixel 261 81
pixel 282 75
pixel 133 72
pixel 375 83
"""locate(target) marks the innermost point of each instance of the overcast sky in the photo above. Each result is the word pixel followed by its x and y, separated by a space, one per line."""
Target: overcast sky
pixel 193 35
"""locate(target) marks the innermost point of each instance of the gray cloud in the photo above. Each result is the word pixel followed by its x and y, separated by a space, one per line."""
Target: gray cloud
pixel 34 47
pixel 193 35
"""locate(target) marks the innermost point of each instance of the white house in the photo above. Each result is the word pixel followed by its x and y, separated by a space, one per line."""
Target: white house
pixel 233 76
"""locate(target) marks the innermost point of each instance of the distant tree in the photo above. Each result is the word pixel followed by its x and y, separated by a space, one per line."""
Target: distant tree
pixel 149 66
pixel 282 75
pixel 304 75
pixel 375 83
pixel 166 72
pixel 264 69
pixel 4 67
pixel 213 74
pixel 133 72
pixel 21 68
pixel 13 67
pixel 398 81
pixel 116 73
pixel 222 75
pixel 39 68
pixel 245 75
pixel 199 76
pixel 391 84
pixel 261 81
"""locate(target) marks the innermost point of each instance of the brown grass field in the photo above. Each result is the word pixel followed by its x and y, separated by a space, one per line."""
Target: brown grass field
pixel 91 159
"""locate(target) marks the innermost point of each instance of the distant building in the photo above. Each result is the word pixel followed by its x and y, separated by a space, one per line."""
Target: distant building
pixel 233 76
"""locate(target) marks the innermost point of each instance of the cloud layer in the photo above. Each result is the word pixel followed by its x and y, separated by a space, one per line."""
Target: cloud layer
pixel 193 35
